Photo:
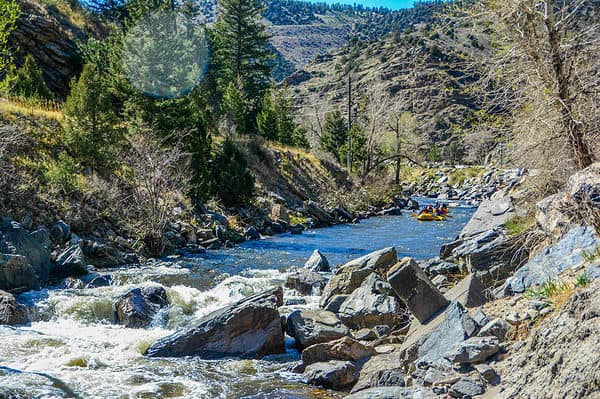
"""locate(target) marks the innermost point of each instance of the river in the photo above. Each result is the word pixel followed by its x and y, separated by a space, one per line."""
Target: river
pixel 72 339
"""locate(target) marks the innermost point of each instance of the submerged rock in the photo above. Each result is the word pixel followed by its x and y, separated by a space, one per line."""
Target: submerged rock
pixel 12 312
pixel 138 308
pixel 310 327
pixel 250 328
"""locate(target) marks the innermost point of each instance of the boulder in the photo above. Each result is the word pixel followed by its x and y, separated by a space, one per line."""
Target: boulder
pixel 497 328
pixel 320 214
pixel 351 275
pixel 306 282
pixel 24 261
pixel 568 253
pixel 251 233
pixel 371 304
pixel 105 255
pixel 100 281
pixel 474 350
pixel 466 388
pixel 345 348
pixel 393 393
pixel 491 214
pixel 250 328
pixel 415 289
pixel 437 266
pixel 11 311
pixel 70 263
pixel 279 212
pixel 412 205
pixel 71 283
pixel 455 328
pixel 342 215
pixel 334 374
pixel 317 262
pixel 310 327
pixel 138 307
pixel 335 303
pixel 60 232
pixel 380 371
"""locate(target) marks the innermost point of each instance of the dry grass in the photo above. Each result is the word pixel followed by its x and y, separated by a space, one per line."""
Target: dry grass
pixel 23 108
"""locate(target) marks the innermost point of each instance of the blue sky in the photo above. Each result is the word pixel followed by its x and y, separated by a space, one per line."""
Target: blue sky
pixel 392 4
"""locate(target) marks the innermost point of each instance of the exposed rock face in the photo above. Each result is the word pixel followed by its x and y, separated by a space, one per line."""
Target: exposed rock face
pixel 334 374
pixel 415 289
pixel 310 327
pixel 560 359
pixel 320 214
pixel 342 349
pixel 49 36
pixel 490 215
pixel 250 328
pixel 305 282
pixel 24 262
pixel 138 307
pixel 568 253
pixel 371 304
pixel 12 312
pixel 351 275
pixel 317 262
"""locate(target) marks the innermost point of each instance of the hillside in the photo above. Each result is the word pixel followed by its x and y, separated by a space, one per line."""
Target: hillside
pixel 425 71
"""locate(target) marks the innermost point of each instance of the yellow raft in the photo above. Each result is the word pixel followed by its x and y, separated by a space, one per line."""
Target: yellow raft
pixel 429 217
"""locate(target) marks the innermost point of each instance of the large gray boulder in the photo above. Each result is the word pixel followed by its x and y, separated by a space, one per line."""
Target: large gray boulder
pixel 310 327
pixel 317 262
pixel 372 304
pixel 474 350
pixel 345 348
pixel 70 263
pixel 393 393
pixel 106 256
pixel 381 371
pixel 491 214
pixel 250 328
pixel 568 253
pixel 306 282
pixel 415 289
pixel 335 374
pixel 11 311
pixel 320 214
pixel 24 262
pixel 138 307
pixel 351 275
pixel 456 327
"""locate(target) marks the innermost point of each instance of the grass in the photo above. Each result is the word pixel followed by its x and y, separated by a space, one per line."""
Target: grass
pixel 27 108
pixel 592 256
pixel 519 224
pixel 461 175
pixel 558 292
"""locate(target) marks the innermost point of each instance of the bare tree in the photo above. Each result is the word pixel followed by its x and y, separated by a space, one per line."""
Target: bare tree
pixel 546 72
pixel 159 176
pixel 403 137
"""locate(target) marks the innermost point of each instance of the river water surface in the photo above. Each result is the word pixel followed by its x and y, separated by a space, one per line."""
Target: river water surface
pixel 81 354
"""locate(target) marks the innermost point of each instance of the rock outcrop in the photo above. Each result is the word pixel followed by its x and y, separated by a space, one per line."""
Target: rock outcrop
pixel 250 328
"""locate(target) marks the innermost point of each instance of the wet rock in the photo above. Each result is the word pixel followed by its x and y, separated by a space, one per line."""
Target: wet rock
pixel 415 289
pixel 305 282
pixel 490 215
pixel 310 327
pixel 251 233
pixel 342 215
pixel 393 392
pixel 279 212
pixel 138 307
pixel 474 350
pixel 345 348
pixel 455 328
pixel 334 374
pixel 351 275
pixel 497 328
pixel 60 232
pixel 12 312
pixel 70 263
pixel 71 283
pixel 317 262
pixel 568 253
pixel 250 328
pixel 371 304
pixel 100 281
pixel 466 387
pixel 42 235
pixel 320 214
pixel 106 256
pixel 296 229
pixel 412 204
pixel 24 262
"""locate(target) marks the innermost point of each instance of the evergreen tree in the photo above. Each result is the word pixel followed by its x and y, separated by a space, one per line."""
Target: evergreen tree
pixel 27 82
pixel 233 183
pixel 90 122
pixel 9 13
pixel 335 133
pixel 267 119
pixel 242 53
pixel 236 106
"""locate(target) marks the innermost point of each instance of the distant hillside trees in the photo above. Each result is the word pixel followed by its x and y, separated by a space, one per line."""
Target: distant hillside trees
pixel 9 13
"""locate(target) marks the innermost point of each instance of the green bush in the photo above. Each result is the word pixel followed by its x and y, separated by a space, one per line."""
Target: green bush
pixel 26 82
pixel 61 174
pixel 232 182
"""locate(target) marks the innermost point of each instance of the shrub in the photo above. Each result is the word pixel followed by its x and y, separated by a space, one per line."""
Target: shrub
pixel 61 174
pixel 26 82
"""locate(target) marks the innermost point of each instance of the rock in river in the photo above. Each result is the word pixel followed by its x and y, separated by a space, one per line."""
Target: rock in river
pixel 335 374
pixel 138 307
pixel 309 327
pixel 317 262
pixel 12 312
pixel 250 328
pixel 305 282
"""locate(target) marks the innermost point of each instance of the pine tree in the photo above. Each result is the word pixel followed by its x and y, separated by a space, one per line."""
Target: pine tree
pixel 335 133
pixel 267 119
pixel 242 53
pixel 237 107
pixel 9 13
pixel 27 82
pixel 90 122
pixel 233 182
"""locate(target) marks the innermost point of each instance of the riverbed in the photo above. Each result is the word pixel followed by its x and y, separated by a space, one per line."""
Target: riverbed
pixel 73 341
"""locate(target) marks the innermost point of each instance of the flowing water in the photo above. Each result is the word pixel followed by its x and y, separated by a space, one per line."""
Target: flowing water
pixel 71 349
